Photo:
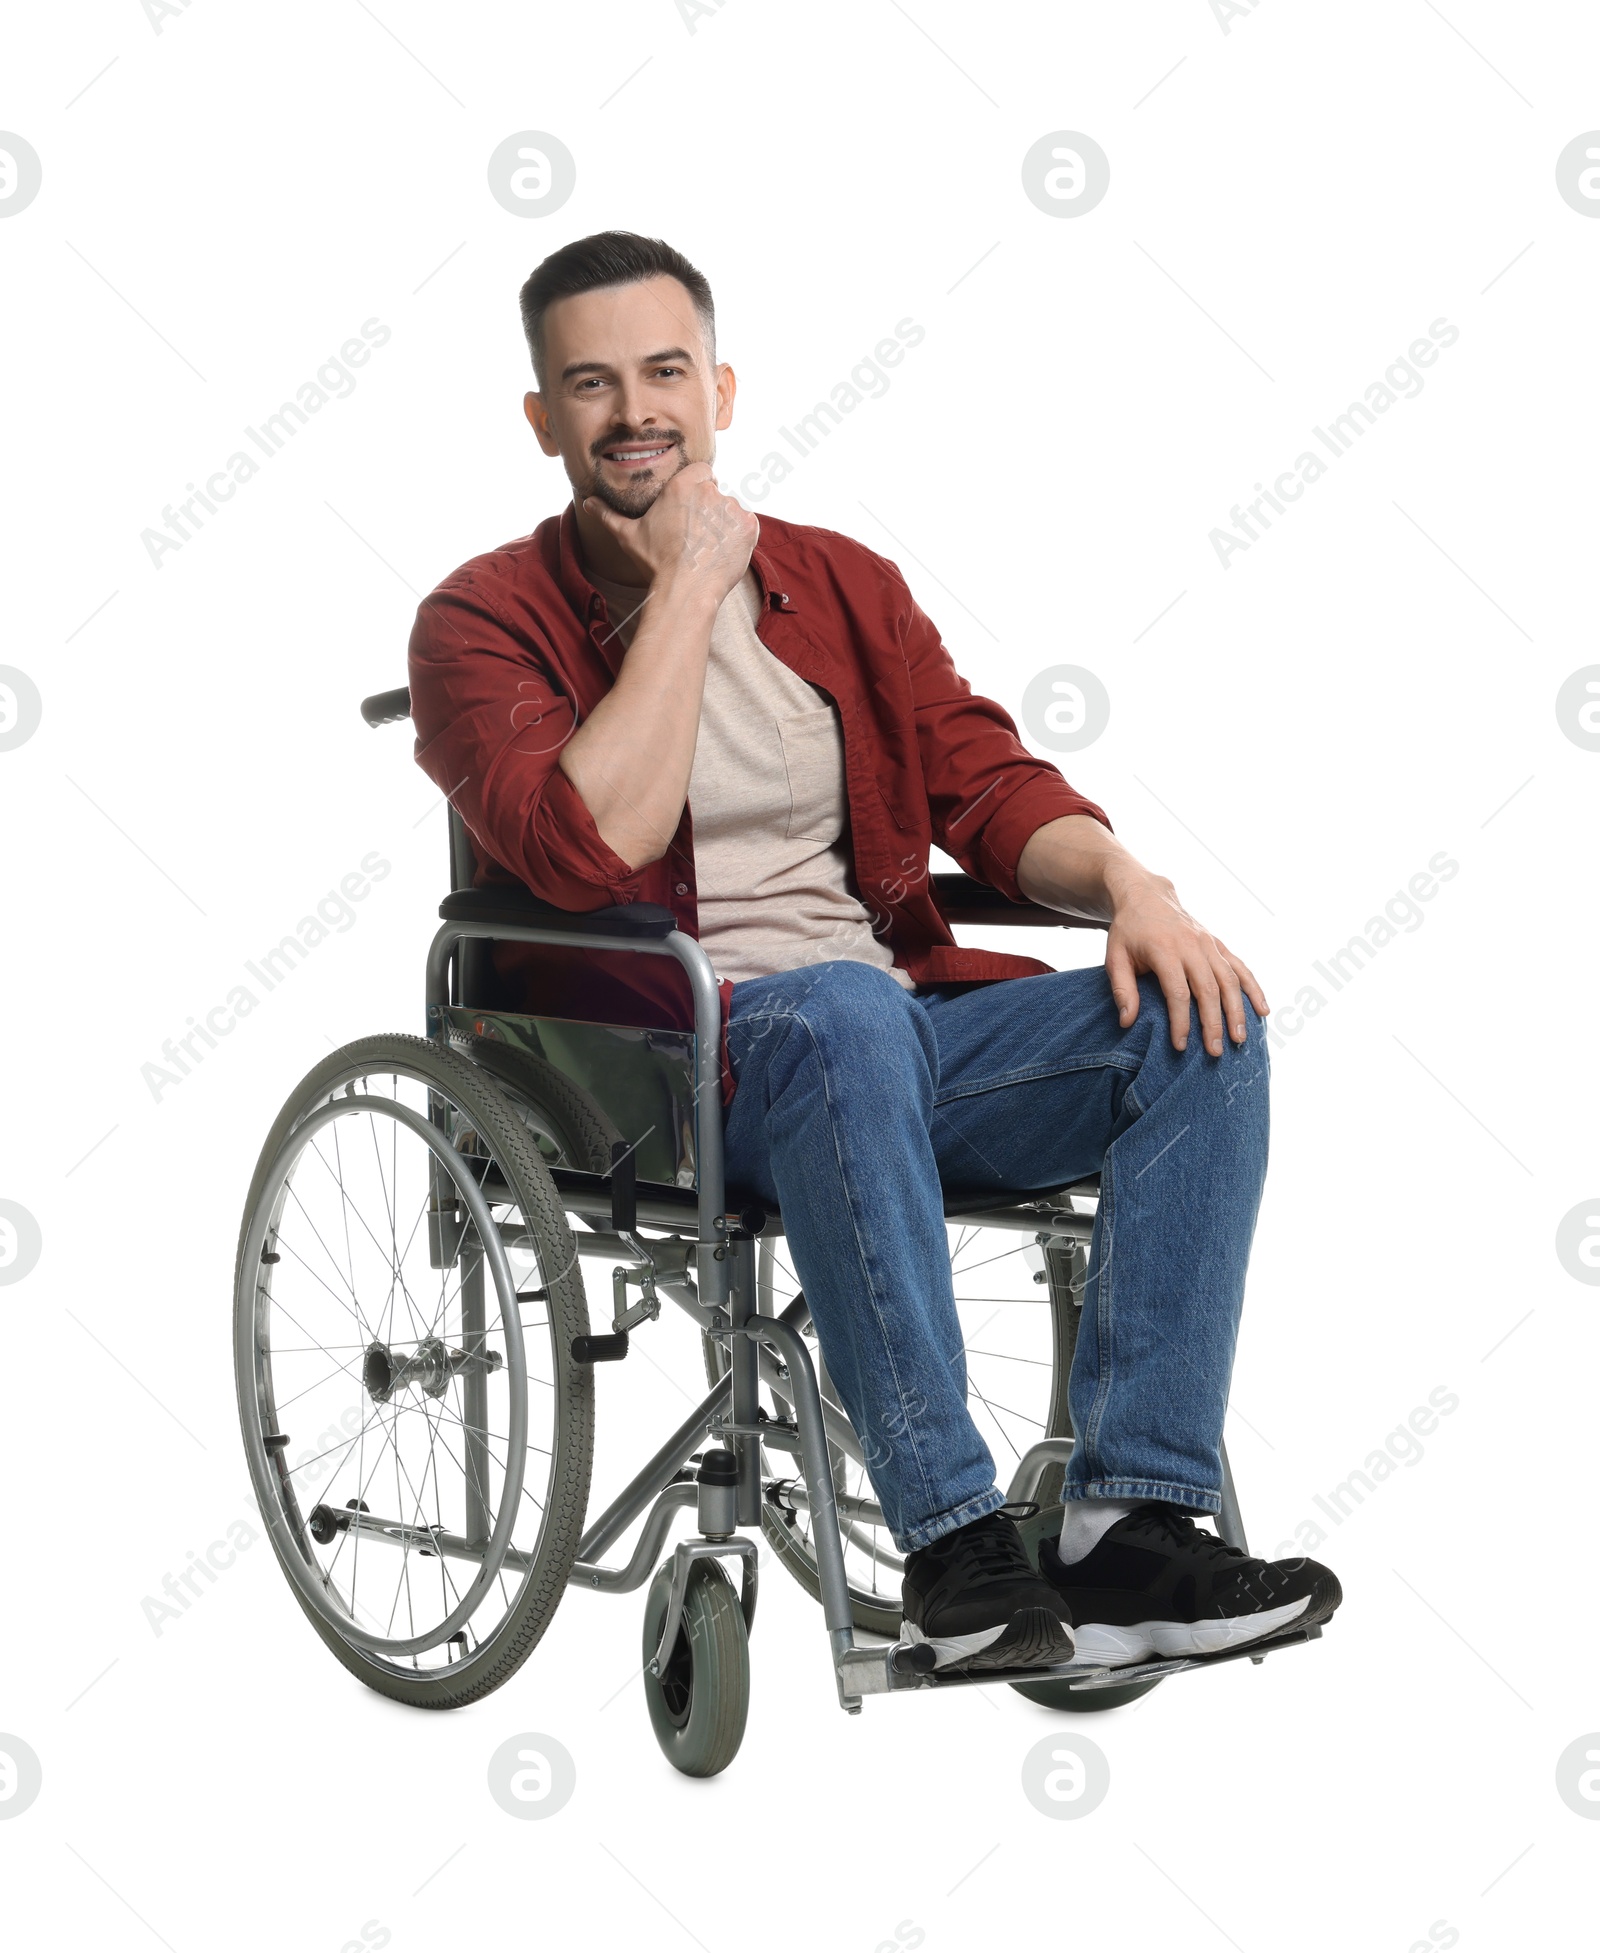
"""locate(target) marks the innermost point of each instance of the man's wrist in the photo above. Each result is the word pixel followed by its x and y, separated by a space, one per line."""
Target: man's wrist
pixel 1126 880
pixel 685 594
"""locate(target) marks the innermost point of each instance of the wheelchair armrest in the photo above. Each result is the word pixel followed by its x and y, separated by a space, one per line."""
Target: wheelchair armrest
pixel 961 899
pixel 514 908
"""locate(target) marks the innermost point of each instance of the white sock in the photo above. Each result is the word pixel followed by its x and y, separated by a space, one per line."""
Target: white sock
pixel 1083 1522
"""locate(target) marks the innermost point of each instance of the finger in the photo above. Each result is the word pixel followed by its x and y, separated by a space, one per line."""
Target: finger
pixel 1232 997
pixel 1247 978
pixel 1208 1000
pixel 1170 974
pixel 1124 984
pixel 608 517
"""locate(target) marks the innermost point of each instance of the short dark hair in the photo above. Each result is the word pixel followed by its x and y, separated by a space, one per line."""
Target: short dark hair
pixel 591 264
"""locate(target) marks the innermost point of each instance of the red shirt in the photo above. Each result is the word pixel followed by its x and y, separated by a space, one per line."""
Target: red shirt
pixel 511 651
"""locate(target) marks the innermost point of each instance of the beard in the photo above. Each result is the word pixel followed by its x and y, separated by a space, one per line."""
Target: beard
pixel 633 498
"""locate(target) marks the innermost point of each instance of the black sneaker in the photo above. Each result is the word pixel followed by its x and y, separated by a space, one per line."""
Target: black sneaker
pixel 974 1597
pixel 1156 1585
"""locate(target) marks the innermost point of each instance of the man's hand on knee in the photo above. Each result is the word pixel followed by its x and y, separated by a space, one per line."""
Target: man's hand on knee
pixel 1076 865
pixel 1150 930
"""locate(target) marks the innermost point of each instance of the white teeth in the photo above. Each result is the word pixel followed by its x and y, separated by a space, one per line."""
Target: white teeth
pixel 640 454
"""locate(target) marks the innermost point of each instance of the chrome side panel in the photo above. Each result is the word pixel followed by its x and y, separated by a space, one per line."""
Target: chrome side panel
pixel 642 1080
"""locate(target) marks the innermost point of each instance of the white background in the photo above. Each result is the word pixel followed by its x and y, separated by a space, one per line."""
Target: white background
pixel 1372 682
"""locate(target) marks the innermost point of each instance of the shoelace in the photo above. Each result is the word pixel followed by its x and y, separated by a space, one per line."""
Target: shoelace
pixel 1172 1523
pixel 992 1549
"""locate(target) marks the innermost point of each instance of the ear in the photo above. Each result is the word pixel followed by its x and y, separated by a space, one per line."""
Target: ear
pixel 538 416
pixel 727 387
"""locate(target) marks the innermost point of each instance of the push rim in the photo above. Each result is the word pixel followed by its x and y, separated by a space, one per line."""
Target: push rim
pixel 454 1149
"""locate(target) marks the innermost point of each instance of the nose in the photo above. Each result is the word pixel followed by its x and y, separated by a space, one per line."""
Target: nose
pixel 633 411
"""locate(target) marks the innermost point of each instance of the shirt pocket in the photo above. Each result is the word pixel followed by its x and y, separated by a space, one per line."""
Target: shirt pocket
pixel 813 758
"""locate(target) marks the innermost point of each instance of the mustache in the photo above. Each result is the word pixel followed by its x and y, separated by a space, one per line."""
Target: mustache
pixel 622 438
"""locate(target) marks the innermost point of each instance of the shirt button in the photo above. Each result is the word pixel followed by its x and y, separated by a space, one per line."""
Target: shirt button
pixel 681 889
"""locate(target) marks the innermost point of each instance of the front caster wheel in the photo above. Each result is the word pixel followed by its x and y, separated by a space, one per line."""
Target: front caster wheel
pixel 699 1702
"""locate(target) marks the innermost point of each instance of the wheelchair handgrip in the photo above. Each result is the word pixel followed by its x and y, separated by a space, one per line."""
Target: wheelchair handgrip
pixel 383 708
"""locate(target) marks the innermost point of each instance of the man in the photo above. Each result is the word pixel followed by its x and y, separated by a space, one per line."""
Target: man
pixel 657 655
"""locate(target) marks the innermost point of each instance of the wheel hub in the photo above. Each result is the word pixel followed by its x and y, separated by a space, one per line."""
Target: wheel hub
pixel 428 1368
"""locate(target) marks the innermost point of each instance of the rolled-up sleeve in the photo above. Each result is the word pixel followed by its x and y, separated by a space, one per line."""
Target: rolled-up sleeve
pixel 490 721
pixel 987 794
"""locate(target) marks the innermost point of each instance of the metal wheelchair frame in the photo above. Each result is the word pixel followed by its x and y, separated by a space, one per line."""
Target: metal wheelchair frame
pixel 761 1347
pixel 765 1349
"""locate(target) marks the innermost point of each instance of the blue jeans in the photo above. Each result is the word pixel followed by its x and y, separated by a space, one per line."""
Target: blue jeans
pixel 858 1100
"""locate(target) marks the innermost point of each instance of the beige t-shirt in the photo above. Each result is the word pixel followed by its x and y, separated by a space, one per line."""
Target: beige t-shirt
pixel 767 801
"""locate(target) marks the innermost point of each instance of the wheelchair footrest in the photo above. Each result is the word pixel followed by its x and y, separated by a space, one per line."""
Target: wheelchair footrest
pixel 600 1349
pixel 893 1669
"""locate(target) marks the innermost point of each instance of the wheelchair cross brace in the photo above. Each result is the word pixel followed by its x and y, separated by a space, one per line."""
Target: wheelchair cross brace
pixel 731 1408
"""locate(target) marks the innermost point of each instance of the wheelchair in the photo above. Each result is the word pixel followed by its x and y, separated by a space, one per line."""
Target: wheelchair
pixel 415 1361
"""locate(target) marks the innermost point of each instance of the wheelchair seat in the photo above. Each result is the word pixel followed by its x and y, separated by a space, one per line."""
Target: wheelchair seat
pixel 666 1206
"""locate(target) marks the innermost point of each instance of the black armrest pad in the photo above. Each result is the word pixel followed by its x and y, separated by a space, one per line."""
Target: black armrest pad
pixel 961 899
pixel 516 908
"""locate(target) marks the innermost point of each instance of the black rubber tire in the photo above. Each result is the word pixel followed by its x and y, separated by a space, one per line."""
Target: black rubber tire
pixel 699 1706
pixel 1046 1524
pixel 569 1128
pixel 496 1660
pixel 881 1615
pixel 1085 1702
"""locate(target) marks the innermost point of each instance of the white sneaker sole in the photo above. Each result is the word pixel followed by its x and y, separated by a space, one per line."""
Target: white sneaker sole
pixel 1100 1645
pixel 949 1648
pixel 958 1650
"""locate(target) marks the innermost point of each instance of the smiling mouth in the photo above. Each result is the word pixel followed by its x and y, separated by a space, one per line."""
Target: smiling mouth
pixel 635 454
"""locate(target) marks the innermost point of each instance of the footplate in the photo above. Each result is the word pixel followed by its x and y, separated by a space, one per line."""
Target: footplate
pixel 877 1671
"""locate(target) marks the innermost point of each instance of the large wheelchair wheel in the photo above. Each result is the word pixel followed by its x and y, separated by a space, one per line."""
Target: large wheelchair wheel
pixel 1019 1327
pixel 419 1439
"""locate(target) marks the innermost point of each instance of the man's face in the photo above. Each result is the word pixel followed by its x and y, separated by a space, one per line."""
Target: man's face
pixel 631 395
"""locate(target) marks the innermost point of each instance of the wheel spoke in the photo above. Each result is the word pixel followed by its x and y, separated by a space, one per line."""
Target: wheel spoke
pixel 343 1370
pixel 1005 1254
pixel 1000 1324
